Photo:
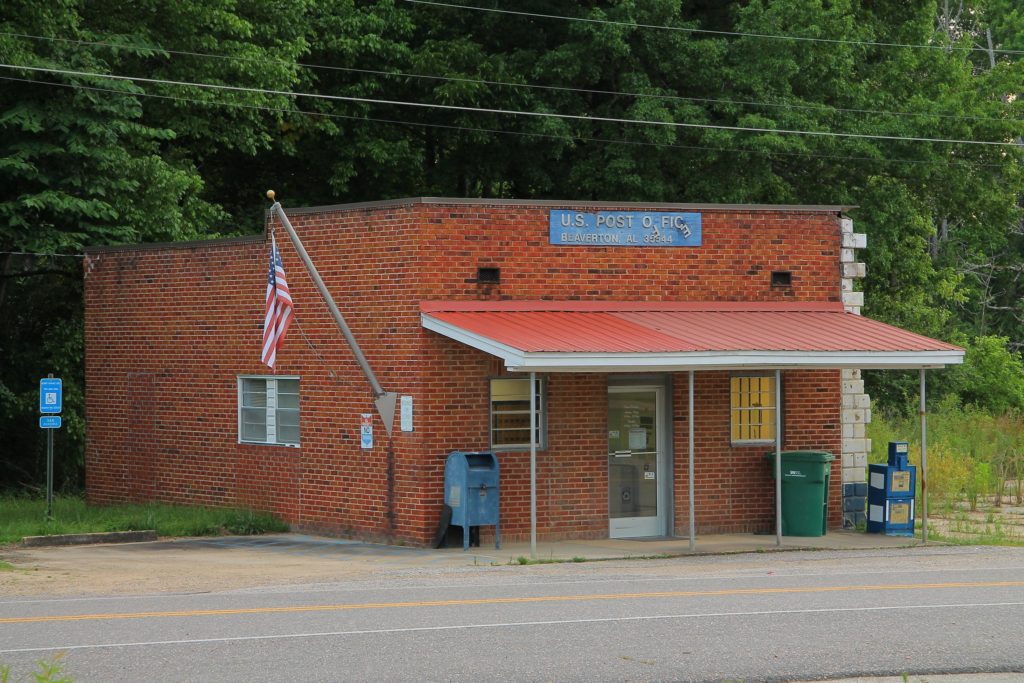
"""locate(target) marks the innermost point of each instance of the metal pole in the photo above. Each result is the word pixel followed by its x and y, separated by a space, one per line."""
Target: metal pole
pixel 49 473
pixel 533 466
pixel 693 533
pixel 924 464
pixel 778 457
pixel 49 468
pixel 385 401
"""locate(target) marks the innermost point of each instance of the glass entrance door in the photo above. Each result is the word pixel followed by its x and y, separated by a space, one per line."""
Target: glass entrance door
pixel 635 462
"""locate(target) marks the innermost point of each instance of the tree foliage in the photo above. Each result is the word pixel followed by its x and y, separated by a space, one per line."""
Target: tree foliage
pixel 87 160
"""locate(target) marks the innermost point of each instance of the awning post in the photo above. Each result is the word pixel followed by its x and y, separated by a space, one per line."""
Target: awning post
pixel 778 457
pixel 689 428
pixel 924 463
pixel 533 465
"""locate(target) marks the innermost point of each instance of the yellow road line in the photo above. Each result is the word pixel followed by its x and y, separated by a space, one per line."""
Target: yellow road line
pixel 502 601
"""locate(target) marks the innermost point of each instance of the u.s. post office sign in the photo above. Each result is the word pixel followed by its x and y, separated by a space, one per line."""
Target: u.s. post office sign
pixel 625 228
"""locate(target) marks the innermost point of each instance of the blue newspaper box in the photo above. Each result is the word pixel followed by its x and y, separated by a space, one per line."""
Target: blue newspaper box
pixel 471 490
pixel 891 493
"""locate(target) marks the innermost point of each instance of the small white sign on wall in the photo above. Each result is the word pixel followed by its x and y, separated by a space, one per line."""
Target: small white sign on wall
pixel 366 430
pixel 405 413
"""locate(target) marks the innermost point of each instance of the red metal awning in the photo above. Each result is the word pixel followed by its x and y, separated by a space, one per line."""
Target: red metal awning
pixel 607 336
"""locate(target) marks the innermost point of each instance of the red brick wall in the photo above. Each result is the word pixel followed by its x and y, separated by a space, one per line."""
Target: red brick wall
pixel 734 262
pixel 733 487
pixel 168 330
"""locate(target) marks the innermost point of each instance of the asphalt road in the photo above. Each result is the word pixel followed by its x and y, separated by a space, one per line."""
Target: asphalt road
pixel 754 617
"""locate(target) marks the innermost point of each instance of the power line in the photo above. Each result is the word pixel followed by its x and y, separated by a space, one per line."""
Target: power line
pixel 496 131
pixel 41 253
pixel 737 34
pixel 480 81
pixel 508 112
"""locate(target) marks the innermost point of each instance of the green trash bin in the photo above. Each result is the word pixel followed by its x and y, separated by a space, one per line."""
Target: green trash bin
pixel 805 477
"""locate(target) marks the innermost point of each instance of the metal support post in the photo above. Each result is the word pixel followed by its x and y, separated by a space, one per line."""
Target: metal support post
pixel 924 463
pixel 49 474
pixel 533 465
pixel 778 457
pixel 693 536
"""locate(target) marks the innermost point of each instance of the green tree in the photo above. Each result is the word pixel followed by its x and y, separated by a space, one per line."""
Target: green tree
pixel 87 160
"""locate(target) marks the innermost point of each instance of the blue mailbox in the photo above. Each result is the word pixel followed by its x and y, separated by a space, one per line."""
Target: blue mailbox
pixel 471 490
pixel 891 493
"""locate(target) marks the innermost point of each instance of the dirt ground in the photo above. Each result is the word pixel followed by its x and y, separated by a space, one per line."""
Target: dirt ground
pixel 182 566
pixel 986 524
pixel 232 563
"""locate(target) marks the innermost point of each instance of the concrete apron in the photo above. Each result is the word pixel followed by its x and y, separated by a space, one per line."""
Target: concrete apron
pixel 620 548
pixel 384 556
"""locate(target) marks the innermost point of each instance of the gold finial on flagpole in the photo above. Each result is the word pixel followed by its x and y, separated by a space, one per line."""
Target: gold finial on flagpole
pixel 270 195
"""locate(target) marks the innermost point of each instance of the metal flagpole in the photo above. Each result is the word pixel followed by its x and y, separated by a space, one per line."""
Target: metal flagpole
pixel 778 457
pixel 533 465
pixel 693 536
pixel 924 464
pixel 385 401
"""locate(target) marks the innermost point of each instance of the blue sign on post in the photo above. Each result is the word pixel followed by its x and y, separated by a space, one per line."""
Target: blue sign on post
pixel 51 395
pixel 51 400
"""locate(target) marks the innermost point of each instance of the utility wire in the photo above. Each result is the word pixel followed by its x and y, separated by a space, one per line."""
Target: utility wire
pixel 41 253
pixel 480 81
pixel 736 34
pixel 496 131
pixel 509 112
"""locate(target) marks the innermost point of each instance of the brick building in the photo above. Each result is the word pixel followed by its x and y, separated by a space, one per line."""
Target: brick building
pixel 613 308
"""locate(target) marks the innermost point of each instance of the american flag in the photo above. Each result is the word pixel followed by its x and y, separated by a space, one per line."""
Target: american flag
pixel 279 307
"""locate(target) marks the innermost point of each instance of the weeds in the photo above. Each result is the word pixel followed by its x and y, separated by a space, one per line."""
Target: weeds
pixel 974 539
pixel 975 469
pixel 972 456
pixel 48 671
pixel 523 560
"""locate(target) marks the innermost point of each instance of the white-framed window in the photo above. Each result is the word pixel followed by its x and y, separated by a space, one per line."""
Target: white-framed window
pixel 510 413
pixel 752 408
pixel 268 410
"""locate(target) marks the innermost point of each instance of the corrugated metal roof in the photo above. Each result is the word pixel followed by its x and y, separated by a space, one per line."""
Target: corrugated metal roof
pixel 678 330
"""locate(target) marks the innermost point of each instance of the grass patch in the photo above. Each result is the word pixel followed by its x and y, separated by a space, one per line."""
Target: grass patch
pixel 6 566
pixel 976 540
pixel 20 517
pixel 523 559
